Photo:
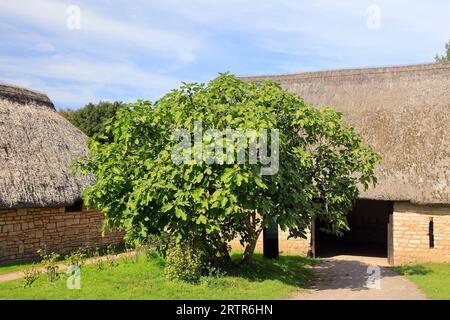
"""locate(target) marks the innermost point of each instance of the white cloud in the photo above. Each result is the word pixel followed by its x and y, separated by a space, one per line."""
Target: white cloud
pixel 52 16
pixel 108 57
pixel 325 26
pixel 78 82
pixel 95 72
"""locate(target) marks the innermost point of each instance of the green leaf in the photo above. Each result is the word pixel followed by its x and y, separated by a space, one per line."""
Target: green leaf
pixel 227 175
pixel 239 179
pixel 202 219
pixel 166 207
pixel 180 214
pixel 260 183
pixel 224 202
pixel 199 177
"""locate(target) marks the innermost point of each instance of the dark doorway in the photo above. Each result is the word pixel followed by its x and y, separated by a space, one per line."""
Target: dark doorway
pixel 368 234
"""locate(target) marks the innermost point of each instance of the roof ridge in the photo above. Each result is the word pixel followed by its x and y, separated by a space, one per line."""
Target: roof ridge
pixel 15 86
pixel 24 95
pixel 355 71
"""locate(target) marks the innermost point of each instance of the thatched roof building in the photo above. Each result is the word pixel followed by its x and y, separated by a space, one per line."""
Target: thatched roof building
pixel 403 112
pixel 37 146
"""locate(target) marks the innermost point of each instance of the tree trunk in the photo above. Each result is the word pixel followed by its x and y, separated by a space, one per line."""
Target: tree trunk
pixel 250 248
pixel 251 245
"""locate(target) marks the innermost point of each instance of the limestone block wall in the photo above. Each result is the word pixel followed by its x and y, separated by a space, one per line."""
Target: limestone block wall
pixel 24 231
pixel 292 246
pixel 411 233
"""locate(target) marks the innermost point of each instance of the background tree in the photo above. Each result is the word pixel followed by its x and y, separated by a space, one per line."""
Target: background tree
pixel 141 190
pixel 90 119
pixel 446 56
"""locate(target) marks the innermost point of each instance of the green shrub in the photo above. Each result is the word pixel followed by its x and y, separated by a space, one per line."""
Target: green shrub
pixel 50 263
pixel 30 276
pixel 77 258
pixel 183 263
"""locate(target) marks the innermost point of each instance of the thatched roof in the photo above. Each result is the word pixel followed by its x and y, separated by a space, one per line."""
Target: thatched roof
pixel 37 146
pixel 403 112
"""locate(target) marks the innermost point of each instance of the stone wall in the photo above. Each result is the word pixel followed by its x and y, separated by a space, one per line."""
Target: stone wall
pixel 24 231
pixel 411 239
pixel 292 246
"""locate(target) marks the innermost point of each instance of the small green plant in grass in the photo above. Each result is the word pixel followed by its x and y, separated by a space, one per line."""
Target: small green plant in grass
pixel 133 253
pixel 131 256
pixel 98 261
pixel 111 257
pixel 30 276
pixel 183 263
pixel 213 275
pixel 139 251
pixel 213 271
pixel 77 258
pixel 111 262
pixel 49 261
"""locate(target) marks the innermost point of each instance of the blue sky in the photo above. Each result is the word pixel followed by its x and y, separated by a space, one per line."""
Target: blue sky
pixel 126 50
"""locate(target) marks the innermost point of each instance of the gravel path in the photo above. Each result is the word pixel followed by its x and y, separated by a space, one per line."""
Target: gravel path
pixel 346 278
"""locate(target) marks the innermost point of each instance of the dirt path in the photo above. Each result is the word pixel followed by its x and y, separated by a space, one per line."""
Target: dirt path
pixel 19 274
pixel 346 278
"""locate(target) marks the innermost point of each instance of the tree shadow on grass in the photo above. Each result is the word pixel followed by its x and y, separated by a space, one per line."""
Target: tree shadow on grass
pixel 412 270
pixel 288 269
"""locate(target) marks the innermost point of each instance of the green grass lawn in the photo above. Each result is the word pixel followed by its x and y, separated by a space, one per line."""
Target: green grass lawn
pixel 144 279
pixel 432 278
